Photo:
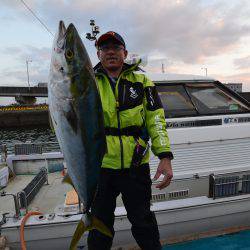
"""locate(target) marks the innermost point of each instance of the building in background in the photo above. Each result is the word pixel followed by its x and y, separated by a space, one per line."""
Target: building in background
pixel 236 87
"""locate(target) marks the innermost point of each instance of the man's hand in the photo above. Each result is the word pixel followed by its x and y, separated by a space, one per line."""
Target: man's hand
pixel 164 168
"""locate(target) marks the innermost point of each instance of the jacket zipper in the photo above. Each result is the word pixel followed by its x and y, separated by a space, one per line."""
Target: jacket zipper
pixel 120 137
pixel 119 121
pixel 118 112
pixel 118 118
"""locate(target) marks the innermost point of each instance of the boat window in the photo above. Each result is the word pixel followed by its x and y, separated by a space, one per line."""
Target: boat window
pixel 175 101
pixel 209 99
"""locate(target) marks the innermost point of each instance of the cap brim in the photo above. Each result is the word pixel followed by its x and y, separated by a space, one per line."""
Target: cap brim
pixel 106 37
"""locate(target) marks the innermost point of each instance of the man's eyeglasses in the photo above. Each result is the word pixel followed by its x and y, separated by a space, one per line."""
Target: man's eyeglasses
pixel 115 47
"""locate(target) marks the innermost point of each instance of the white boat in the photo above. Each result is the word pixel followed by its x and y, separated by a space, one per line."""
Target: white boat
pixel 209 130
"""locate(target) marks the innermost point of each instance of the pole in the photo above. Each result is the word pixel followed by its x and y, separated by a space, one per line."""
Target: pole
pixel 28 77
pixel 162 68
pixel 205 71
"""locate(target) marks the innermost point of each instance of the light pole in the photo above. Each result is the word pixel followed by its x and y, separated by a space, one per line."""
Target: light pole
pixel 28 77
pixel 205 70
pixel 162 68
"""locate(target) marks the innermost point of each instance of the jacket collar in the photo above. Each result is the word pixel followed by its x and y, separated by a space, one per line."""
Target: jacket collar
pixel 126 67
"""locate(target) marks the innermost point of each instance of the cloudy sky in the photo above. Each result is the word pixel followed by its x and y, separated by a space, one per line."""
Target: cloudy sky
pixel 187 36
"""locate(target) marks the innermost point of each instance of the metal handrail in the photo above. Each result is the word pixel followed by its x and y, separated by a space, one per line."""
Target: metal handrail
pixel 3 153
pixel 15 197
pixel 28 193
pixel 238 181
pixel 46 147
pixel 25 200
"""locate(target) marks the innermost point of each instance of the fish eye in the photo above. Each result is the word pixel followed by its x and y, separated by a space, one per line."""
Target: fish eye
pixel 69 54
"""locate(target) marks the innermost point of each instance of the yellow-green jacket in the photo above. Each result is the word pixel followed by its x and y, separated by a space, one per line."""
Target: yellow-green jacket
pixel 133 104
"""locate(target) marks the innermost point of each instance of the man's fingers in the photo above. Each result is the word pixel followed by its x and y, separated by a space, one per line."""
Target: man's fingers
pixel 165 182
pixel 157 175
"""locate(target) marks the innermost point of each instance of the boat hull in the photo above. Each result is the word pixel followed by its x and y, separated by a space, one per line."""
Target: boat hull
pixel 178 220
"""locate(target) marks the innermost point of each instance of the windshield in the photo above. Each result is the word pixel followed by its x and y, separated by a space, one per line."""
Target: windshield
pixel 190 99
pixel 175 101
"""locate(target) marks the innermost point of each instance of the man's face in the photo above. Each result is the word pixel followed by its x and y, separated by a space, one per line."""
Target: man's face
pixel 112 55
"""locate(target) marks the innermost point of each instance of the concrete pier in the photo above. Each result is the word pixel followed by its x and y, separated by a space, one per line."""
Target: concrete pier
pixel 21 116
pixel 25 112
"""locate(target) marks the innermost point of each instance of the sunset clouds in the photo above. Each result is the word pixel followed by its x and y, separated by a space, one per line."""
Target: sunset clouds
pixel 185 35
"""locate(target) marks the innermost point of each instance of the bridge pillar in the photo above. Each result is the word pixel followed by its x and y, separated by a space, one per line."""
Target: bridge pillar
pixel 25 99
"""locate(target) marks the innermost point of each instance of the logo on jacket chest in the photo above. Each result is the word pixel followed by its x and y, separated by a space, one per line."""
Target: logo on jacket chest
pixel 133 93
pixel 130 94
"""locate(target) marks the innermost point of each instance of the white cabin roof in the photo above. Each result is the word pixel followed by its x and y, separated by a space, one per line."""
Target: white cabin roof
pixel 176 77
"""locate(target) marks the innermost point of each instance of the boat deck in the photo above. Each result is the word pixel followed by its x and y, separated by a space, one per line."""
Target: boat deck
pixel 46 200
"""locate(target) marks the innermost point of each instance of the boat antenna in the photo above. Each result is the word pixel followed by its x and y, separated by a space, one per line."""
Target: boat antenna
pixel 94 31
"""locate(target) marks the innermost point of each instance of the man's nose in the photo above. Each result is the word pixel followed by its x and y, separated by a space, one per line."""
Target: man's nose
pixel 110 51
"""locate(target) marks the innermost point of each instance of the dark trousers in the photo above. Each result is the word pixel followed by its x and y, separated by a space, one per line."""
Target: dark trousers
pixel 135 187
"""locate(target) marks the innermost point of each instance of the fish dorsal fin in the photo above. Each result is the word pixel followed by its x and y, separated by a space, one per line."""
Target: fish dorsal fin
pixel 72 117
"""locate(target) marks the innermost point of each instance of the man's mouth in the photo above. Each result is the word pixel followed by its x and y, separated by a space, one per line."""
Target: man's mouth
pixel 111 59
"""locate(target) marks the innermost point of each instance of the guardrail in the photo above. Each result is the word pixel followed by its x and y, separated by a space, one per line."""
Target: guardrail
pixel 24 108
pixel 3 153
pixel 29 192
pixel 225 186
pixel 29 148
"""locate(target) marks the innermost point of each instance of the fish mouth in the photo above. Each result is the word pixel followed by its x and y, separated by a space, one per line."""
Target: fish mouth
pixel 62 28
pixel 61 35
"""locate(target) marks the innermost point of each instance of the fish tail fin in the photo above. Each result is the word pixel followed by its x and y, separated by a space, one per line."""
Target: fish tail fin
pixel 81 228
pixel 101 227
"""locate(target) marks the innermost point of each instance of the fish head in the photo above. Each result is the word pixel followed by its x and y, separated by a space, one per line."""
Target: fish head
pixel 71 69
pixel 79 64
pixel 58 66
pixel 75 52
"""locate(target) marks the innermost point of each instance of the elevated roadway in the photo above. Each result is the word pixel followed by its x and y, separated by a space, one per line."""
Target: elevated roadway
pixel 23 91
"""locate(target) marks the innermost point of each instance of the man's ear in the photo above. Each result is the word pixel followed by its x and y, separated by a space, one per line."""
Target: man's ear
pixel 125 54
pixel 98 54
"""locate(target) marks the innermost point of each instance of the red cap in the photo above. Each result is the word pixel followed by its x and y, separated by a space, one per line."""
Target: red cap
pixel 109 35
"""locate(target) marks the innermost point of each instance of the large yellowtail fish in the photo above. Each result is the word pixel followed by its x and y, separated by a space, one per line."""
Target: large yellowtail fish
pixel 77 117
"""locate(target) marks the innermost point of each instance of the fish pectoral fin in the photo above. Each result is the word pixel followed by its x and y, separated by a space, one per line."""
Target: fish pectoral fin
pixel 80 229
pixel 101 227
pixel 71 117
pixel 67 179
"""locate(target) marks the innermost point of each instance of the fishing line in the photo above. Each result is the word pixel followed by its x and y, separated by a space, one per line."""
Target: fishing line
pixel 33 13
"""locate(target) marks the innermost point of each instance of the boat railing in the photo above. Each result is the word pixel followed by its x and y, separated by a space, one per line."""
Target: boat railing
pixel 225 186
pixel 29 192
pixel 3 153
pixel 17 207
pixel 23 198
pixel 51 147
pixel 28 148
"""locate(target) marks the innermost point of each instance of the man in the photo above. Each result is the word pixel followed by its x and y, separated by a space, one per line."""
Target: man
pixel 132 113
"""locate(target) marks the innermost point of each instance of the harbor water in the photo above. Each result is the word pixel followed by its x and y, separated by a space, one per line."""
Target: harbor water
pixel 235 241
pixel 12 136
